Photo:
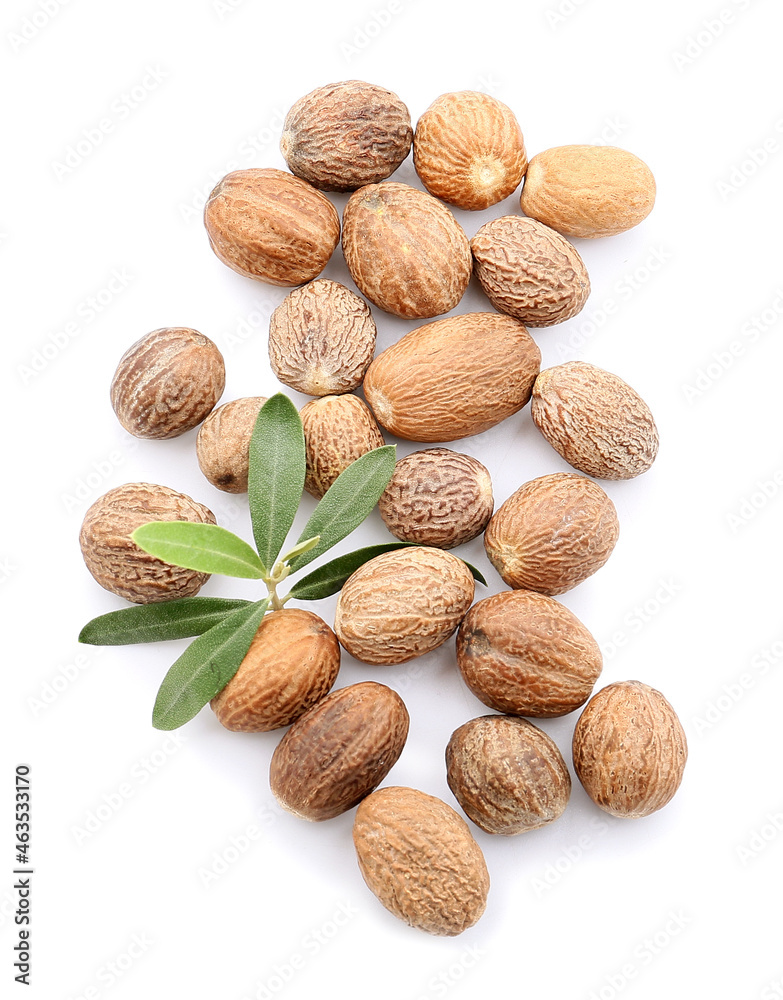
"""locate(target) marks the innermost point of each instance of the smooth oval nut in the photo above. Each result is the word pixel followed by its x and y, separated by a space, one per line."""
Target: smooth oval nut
pixel 223 443
pixel 419 858
pixel 337 430
pixel 629 749
pixel 524 653
pixel 339 751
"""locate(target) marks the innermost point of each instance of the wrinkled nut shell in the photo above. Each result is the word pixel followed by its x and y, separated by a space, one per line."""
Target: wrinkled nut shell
pixel 347 134
pixel 291 665
pixel 272 226
pixel 595 421
pixel 402 604
pixel 339 751
pixel 529 271
pixel 629 749
pixel 468 150
pixel 167 383
pixel 321 339
pixel 526 654
pixel 437 497
pixel 507 774
pixel 552 533
pixel 117 563
pixel 405 250
pixel 337 430
pixel 223 443
pixel 417 855
pixel 453 378
pixel 588 191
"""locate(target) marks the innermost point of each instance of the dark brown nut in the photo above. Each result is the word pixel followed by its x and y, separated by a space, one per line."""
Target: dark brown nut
pixel 405 250
pixel 269 225
pixel 347 134
pixel 468 150
pixel 402 604
pixel 452 378
pixel 437 497
pixel 629 749
pixel 339 751
pixel 114 559
pixel 595 421
pixel 291 665
pixel 321 339
pixel 223 443
pixel 552 534
pixel 337 430
pixel 418 857
pixel 526 654
pixel 167 383
pixel 529 271
pixel 507 774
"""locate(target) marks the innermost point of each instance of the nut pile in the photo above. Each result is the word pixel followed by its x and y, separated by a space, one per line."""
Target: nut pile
pixel 521 652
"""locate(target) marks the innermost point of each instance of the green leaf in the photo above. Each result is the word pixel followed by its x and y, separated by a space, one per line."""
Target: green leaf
pixel 202 547
pixel 348 501
pixel 300 548
pixel 154 622
pixel 277 474
pixel 206 666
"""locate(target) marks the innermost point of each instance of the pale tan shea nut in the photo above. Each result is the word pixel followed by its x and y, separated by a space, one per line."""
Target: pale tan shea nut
pixel 269 225
pixel 453 378
pixel 629 749
pixel 402 604
pixel 588 191
pixel 223 443
pixel 114 559
pixel 595 421
pixel 339 751
pixel 337 430
pixel 321 339
pixel 291 665
pixel 419 858
pixel 437 497
pixel 507 774
pixel 167 383
pixel 344 135
pixel 552 533
pixel 526 654
pixel 468 150
pixel 529 271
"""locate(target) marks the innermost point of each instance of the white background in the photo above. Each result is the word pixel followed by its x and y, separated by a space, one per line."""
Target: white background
pixel 689 601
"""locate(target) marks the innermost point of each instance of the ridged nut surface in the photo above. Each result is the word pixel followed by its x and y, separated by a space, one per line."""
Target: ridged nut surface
pixel 337 430
pixel 223 443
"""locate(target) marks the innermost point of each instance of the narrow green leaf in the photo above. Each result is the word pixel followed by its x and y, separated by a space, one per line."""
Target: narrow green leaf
pixel 348 501
pixel 202 547
pixel 476 574
pixel 206 666
pixel 276 476
pixel 300 548
pixel 155 622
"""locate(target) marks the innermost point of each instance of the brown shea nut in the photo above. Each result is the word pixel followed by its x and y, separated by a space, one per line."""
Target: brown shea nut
pixel 468 150
pixel 595 421
pixel 402 604
pixel 529 271
pixel 292 663
pixel 552 534
pixel 526 654
pixel 321 339
pixel 339 751
pixel 588 191
pixel 507 774
pixel 437 497
pixel 347 134
pixel 223 443
pixel 629 749
pixel 114 559
pixel 269 225
pixel 167 383
pixel 418 856
pixel 453 378
pixel 405 250
pixel 337 431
